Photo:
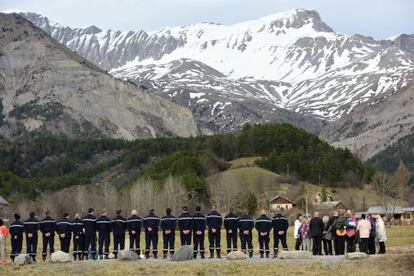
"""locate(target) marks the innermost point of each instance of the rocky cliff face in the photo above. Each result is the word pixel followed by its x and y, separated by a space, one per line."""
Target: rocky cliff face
pixel 45 86
pixel 372 127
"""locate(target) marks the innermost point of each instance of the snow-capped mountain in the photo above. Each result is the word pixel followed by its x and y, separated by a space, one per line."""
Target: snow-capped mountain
pixel 289 60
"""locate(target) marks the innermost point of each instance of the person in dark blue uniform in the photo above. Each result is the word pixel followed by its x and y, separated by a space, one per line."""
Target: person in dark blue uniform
pixel 16 230
pixel 151 224
pixel 168 223
pixel 263 226
pixel 230 224
pixel 48 228
pixel 214 223
pixel 64 231
pixel 104 227
pixel 245 224
pixel 199 228
pixel 185 224
pixel 119 228
pixel 134 223
pixel 31 227
pixel 78 237
pixel 89 228
pixel 280 226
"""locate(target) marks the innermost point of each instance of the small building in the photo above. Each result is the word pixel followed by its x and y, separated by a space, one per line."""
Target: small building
pixel 407 216
pixel 280 203
pixel 328 207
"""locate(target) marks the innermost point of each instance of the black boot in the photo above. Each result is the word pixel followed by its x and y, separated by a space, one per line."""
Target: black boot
pixel 228 251
pixel 164 255
pixel 276 251
pixel 75 256
pixel 250 254
pixel 261 255
pixel 267 255
pixel 172 253
pixel 146 255
pixel 195 255
pixel 218 251
pixel 44 258
pixel 34 258
pixel 155 255
pixel 202 255
pixel 211 254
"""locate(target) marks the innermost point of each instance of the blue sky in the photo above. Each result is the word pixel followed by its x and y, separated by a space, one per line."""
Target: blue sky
pixel 376 18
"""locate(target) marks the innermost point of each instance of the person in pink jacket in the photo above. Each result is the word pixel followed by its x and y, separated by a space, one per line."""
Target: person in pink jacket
pixel 364 228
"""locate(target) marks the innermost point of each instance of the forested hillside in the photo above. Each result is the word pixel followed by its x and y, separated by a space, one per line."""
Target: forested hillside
pixel 42 162
pixel 389 159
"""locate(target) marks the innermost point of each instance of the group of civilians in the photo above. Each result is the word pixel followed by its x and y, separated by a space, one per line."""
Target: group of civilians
pixel 343 231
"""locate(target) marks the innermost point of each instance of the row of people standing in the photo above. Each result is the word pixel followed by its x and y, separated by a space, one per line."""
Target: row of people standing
pixel 82 231
pixel 342 230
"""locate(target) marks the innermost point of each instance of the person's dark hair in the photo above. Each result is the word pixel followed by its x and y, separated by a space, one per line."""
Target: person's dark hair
pixel 17 216
pixel 32 214
pixel 90 210
pixel 198 208
pixel 363 216
pixel 47 213
pixel 118 212
pixel 1 222
pixel 231 210
pixel 65 215
pixel 151 210
pixel 298 216
pixel 168 211
pixel 185 208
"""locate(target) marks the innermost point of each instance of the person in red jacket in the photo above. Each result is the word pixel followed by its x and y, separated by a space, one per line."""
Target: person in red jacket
pixel 4 232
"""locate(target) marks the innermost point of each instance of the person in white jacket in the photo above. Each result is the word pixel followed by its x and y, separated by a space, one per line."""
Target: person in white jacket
pixel 296 234
pixel 381 234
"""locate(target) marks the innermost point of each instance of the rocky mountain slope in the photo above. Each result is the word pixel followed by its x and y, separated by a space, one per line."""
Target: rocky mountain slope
pixel 289 60
pixel 45 86
pixel 373 126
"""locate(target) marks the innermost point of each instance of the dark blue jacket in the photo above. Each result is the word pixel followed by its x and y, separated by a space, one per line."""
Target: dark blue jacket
pixel 214 220
pixel 263 224
pixel 89 224
pixel 31 226
pixel 230 222
pixel 245 223
pixel 119 225
pixel 64 226
pixel 199 222
pixel 16 229
pixel 280 223
pixel 77 227
pixel 134 223
pixel 151 220
pixel 185 222
pixel 168 222
pixel 48 225
pixel 104 225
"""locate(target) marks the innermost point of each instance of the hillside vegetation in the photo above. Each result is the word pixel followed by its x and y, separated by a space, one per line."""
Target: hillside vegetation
pixel 40 162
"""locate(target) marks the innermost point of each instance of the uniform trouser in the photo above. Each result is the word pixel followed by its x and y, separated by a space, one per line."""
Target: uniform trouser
pixel 48 241
pixel 78 245
pixel 327 246
pixel 282 239
pixel 381 248
pixel 134 240
pixel 214 241
pixel 298 242
pixel 185 239
pixel 168 242
pixel 364 245
pixel 64 244
pixel 335 244
pixel 2 248
pixel 31 246
pixel 246 242
pixel 90 244
pixel 350 244
pixel 16 247
pixel 104 240
pixel 119 243
pixel 264 244
pixel 341 246
pixel 371 245
pixel 198 241
pixel 151 238
pixel 231 239
pixel 317 245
